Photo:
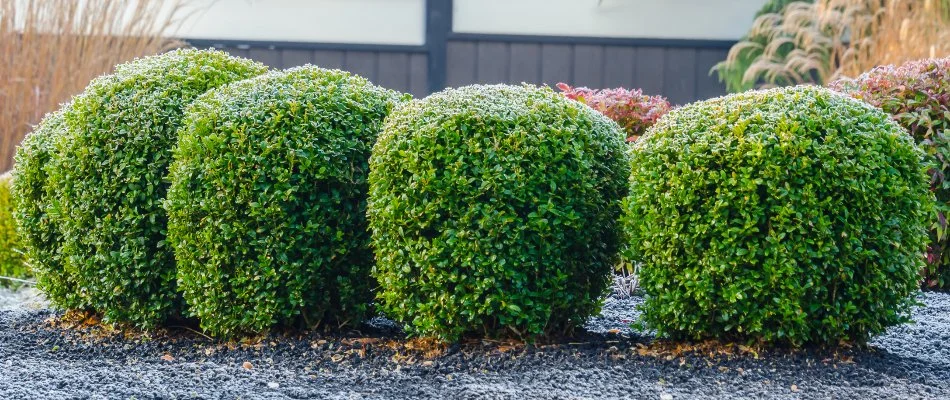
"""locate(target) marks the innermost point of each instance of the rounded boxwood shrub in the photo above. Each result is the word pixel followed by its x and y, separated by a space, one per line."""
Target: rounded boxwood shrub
pixel 11 253
pixel 793 215
pixel 108 177
pixel 267 205
pixel 917 96
pixel 493 211
pixel 33 201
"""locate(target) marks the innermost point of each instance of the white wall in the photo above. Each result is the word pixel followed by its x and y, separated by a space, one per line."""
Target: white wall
pixel 402 22
pixel 679 19
pixel 332 21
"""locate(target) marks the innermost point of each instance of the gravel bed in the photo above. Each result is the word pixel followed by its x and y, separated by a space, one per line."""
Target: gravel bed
pixel 41 359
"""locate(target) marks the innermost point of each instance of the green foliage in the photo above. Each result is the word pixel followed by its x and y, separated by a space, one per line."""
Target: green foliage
pixel 108 173
pixel 493 211
pixel 11 253
pixel 792 215
pixel 267 205
pixel 33 200
pixel 760 55
pixel 776 6
pixel 917 96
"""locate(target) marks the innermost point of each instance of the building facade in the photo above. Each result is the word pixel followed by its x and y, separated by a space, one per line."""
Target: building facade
pixel 419 46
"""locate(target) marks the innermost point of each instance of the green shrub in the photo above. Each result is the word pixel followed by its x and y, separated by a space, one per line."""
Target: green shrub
pixel 108 175
pixel 33 200
pixel 267 205
pixel 917 96
pixel 493 211
pixel 11 253
pixel 792 215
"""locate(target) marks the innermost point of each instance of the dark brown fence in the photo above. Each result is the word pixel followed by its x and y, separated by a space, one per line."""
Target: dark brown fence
pixel 402 68
pixel 678 70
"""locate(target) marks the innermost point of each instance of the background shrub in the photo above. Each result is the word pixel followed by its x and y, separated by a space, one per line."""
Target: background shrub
pixel 818 41
pixel 493 210
pixel 109 178
pixel 631 109
pixel 267 207
pixel 11 253
pixel 776 6
pixel 917 96
pixel 788 215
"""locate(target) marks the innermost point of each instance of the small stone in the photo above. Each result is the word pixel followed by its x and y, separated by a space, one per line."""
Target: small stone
pixel 273 385
pixel 666 396
pixel 247 365
pixel 795 388
pixel 168 357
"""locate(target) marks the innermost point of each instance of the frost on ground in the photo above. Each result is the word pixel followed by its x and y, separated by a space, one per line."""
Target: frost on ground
pixel 23 297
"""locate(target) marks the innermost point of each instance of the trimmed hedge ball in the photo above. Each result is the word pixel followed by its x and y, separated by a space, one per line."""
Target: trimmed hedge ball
pixel 915 95
pixel 11 252
pixel 794 215
pixel 33 201
pixel 493 211
pixel 267 205
pixel 110 179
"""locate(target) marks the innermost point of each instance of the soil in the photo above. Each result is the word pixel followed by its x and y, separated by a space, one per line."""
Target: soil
pixel 44 355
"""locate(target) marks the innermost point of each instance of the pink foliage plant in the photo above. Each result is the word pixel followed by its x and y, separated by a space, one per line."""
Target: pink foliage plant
pixel 630 108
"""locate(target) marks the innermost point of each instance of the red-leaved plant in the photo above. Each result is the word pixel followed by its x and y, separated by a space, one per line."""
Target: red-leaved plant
pixel 633 110
pixel 917 95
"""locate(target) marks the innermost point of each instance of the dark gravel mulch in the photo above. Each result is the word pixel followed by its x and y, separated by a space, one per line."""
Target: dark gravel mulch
pixel 40 358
